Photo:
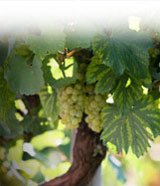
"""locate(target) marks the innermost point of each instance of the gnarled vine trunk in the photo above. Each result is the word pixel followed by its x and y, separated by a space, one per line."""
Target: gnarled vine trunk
pixel 88 153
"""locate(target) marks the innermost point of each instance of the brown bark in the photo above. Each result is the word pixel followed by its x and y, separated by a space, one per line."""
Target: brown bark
pixel 88 153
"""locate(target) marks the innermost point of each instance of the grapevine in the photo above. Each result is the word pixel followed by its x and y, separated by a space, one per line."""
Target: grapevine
pixel 78 98
pixel 104 83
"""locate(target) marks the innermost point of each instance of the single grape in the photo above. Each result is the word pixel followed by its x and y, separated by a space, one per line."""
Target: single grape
pixel 69 90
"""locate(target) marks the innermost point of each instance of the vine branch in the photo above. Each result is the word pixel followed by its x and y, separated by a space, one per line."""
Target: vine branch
pixel 88 153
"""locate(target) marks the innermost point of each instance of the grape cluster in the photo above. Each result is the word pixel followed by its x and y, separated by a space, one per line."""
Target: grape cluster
pixel 93 107
pixel 79 98
pixel 71 101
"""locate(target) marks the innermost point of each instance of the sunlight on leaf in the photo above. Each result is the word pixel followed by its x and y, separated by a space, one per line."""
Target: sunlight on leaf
pixel 21 106
pixel 30 166
pixel 51 173
pixel 48 139
pixel 16 152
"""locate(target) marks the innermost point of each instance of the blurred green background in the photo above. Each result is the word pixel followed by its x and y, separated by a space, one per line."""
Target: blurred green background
pixel 48 156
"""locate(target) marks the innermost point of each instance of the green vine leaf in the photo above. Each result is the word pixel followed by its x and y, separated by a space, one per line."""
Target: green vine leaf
pixel 12 128
pixel 6 97
pixel 59 76
pixel 100 73
pixel 34 125
pixel 48 98
pixel 47 41
pixel 124 51
pixel 106 81
pixel 28 79
pixel 94 69
pixel 127 91
pixel 3 52
pixel 130 129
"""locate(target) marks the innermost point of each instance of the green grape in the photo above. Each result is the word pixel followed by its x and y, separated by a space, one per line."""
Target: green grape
pixel 93 107
pixel 79 113
pixel 87 119
pixel 81 98
pixel 98 98
pixel 83 67
pixel 89 89
pixel 69 90
pixel 59 96
pixel 74 98
pixel 75 91
pixel 96 122
pixel 94 104
pixel 65 105
pixel 102 103
pixel 73 112
pixel 78 86
pixel 75 121
pixel 79 76
pixel 70 101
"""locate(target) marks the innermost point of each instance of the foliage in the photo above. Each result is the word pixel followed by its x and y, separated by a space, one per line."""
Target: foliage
pixel 28 78
pixel 49 103
pixel 50 41
pixel 133 124
pixel 120 64
pixel 101 74
pixel 6 97
pixel 59 75
pixel 124 51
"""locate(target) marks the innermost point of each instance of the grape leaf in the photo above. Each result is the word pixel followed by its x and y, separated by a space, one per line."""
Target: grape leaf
pixel 106 80
pixel 6 97
pixel 38 177
pixel 125 95
pixel 3 52
pixel 125 130
pixel 155 74
pixel 109 57
pixel 34 125
pixel 49 103
pixel 141 39
pixel 47 42
pixel 100 73
pixel 124 51
pixel 27 79
pixel 13 128
pixel 59 76
pixel 23 50
pixel 94 69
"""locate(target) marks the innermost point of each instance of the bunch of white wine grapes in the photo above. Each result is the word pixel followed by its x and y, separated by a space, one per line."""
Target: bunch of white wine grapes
pixel 94 104
pixel 79 98
pixel 71 99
